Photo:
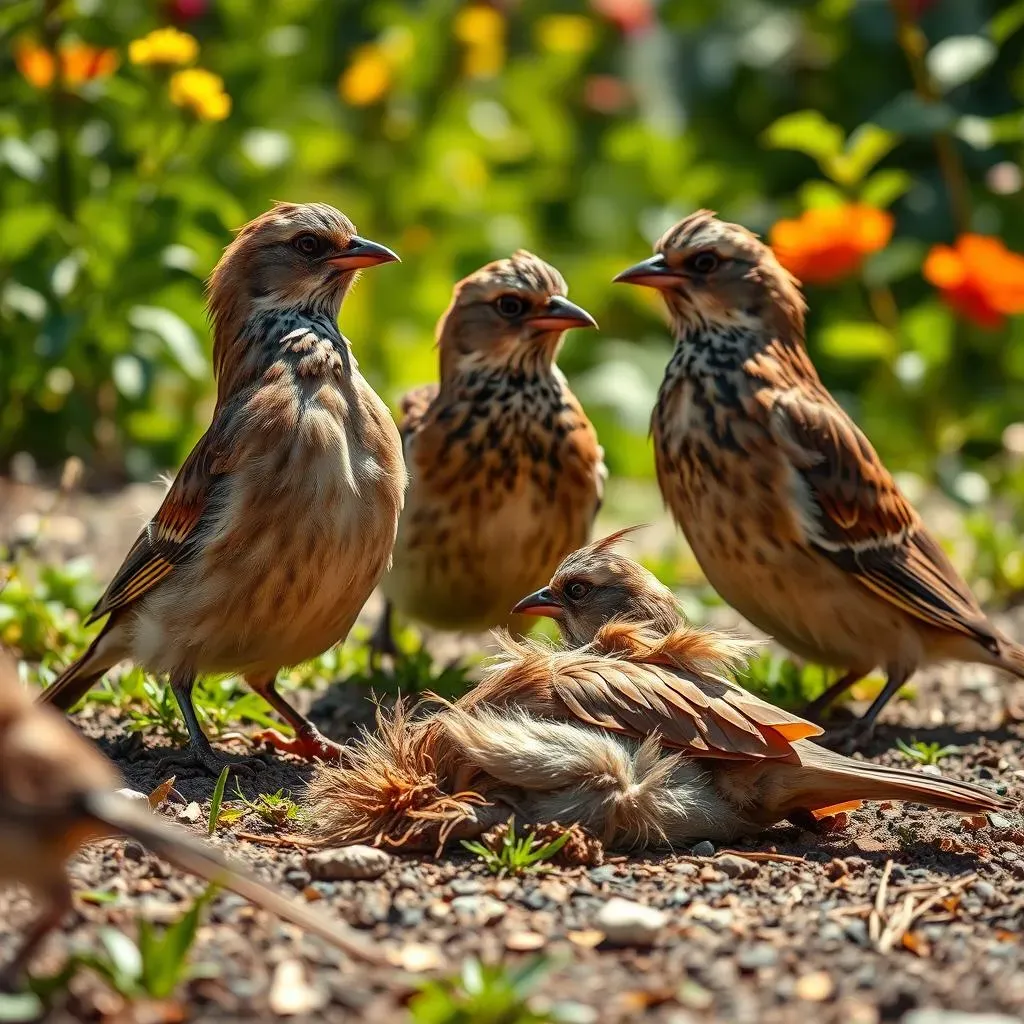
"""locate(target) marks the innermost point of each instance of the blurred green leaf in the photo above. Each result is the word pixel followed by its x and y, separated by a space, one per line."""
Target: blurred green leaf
pixel 806 131
pixel 866 146
pixel 1006 23
pixel 851 340
pixel 23 227
pixel 883 188
pixel 909 114
pixel 180 339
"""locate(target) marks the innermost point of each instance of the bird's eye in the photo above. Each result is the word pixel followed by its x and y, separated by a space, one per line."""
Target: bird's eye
pixel 703 262
pixel 307 244
pixel 510 306
pixel 578 590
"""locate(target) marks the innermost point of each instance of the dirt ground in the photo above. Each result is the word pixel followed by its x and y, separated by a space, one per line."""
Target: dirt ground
pixel 901 914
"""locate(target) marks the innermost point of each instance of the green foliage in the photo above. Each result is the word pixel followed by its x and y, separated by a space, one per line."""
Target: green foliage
pixel 783 682
pixel 516 855
pixel 925 753
pixel 217 799
pixel 482 994
pixel 277 809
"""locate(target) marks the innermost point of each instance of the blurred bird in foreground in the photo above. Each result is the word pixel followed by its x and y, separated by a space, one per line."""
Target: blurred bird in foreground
pixel 282 519
pixel 58 792
pixel 641 736
pixel 505 470
pixel 787 507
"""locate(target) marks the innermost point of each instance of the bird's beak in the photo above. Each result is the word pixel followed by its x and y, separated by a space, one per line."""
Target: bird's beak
pixel 652 273
pixel 540 602
pixel 361 252
pixel 560 315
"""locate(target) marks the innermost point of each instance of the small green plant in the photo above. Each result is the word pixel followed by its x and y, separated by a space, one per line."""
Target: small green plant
pixel 514 855
pixel 483 994
pixel 216 800
pixel 275 809
pixel 925 753
pixel 782 681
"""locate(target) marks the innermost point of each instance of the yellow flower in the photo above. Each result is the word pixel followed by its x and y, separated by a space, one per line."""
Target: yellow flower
pixel 167 46
pixel 565 33
pixel 367 78
pixel 202 92
pixel 482 31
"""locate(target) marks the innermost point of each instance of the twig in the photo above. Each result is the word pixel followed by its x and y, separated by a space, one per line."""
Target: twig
pixel 293 841
pixel 781 858
pixel 878 910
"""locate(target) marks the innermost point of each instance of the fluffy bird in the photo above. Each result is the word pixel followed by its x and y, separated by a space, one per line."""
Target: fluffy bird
pixel 58 792
pixel 506 474
pixel 790 512
pixel 641 736
pixel 282 519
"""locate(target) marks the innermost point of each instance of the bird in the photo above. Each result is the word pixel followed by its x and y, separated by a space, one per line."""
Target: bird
pixel 640 735
pixel 790 512
pixel 58 792
pixel 505 471
pixel 283 517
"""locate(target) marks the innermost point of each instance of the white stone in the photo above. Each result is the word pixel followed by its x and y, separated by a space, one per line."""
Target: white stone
pixel 626 923
pixel 348 862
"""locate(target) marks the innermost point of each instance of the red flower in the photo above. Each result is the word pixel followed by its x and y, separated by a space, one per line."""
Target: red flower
pixel 978 277
pixel 628 16
pixel 186 10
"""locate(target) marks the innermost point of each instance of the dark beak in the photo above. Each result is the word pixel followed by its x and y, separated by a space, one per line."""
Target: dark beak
pixel 361 252
pixel 540 602
pixel 653 273
pixel 560 315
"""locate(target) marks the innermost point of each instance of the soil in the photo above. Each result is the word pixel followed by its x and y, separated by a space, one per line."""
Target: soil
pixel 895 915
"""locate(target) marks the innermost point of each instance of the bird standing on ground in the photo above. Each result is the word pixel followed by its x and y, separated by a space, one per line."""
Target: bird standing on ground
pixel 282 519
pixel 58 792
pixel 790 512
pixel 641 736
pixel 506 474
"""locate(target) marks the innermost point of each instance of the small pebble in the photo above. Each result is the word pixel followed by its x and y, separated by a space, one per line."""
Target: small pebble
pixel 737 867
pixel 1000 821
pixel 191 813
pixel 524 942
pixel 606 873
pixel 685 868
pixel 465 886
pixel 751 958
pixel 477 911
pixel 956 1017
pixel 626 923
pixel 297 877
pixel 291 994
pixel 343 862
pixel 703 849
pixel 815 987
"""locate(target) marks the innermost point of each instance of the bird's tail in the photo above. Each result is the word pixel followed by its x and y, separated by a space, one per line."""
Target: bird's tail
pixel 826 781
pixel 1011 657
pixel 81 675
pixel 188 853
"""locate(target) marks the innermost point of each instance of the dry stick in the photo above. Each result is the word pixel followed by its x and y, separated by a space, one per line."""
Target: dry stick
pixel 877 912
pixel 294 842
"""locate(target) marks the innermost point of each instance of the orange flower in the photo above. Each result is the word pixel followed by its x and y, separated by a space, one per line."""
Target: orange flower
pixel 831 242
pixel 79 63
pixel 978 277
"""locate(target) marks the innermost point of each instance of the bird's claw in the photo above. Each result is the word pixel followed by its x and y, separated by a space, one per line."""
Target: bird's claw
pixel 311 744
pixel 207 759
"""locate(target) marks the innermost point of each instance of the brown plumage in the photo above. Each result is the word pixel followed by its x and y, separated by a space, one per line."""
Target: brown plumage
pixel 282 519
pixel 58 792
pixel 506 474
pixel 790 512
pixel 641 736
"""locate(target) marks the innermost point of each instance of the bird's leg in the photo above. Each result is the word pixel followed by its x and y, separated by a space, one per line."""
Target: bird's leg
pixel 382 639
pixel 198 752
pixel 860 732
pixel 308 742
pixel 836 690
pixel 59 896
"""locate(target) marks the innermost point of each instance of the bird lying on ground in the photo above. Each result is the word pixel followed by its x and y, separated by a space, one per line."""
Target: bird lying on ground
pixel 283 517
pixel 58 792
pixel 641 736
pixel 790 512
pixel 505 472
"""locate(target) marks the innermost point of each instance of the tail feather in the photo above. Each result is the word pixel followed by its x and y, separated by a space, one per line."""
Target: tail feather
pixel 825 778
pixel 80 676
pixel 1011 658
pixel 188 853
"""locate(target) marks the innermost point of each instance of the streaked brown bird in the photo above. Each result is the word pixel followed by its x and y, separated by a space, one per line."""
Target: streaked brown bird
pixel 790 512
pixel 282 519
pixel 641 736
pixel 506 474
pixel 58 792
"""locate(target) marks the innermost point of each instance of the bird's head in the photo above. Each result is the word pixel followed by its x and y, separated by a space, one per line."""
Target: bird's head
pixel 296 256
pixel 510 314
pixel 721 283
pixel 596 585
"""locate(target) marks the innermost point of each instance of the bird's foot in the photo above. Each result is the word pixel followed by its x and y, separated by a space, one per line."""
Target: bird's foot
pixel 310 744
pixel 205 757
pixel 848 738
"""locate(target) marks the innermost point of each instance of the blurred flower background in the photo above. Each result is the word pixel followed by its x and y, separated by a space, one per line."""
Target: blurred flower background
pixel 877 143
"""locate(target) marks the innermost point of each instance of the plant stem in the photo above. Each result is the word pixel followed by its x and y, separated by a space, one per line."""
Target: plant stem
pixel 914 46
pixel 883 307
pixel 52 26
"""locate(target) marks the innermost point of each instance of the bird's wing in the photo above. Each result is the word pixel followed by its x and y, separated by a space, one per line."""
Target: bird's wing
pixel 414 406
pixel 852 511
pixel 704 715
pixel 171 537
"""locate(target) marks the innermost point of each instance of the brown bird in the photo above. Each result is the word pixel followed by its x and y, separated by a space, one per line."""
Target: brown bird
pixel 790 512
pixel 506 474
pixel 58 792
pixel 641 736
pixel 282 519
